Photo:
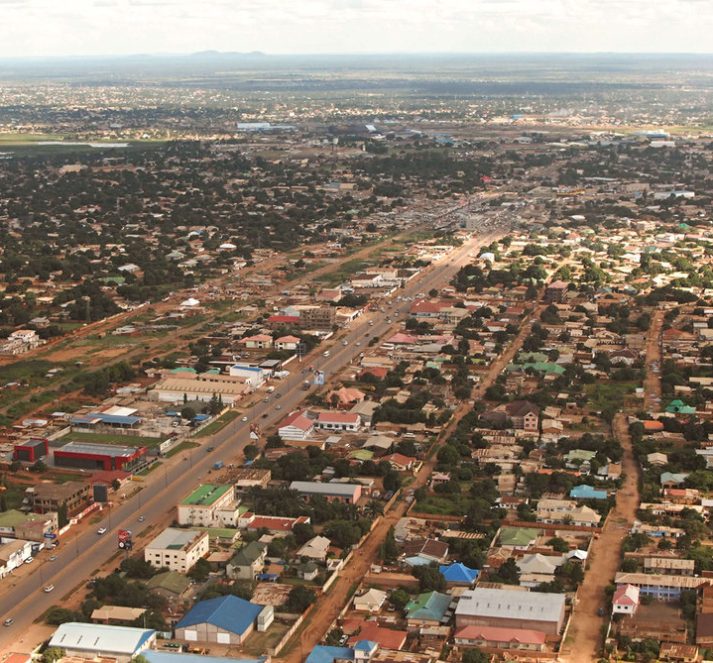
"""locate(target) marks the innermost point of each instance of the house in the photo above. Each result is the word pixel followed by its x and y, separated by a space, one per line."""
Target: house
pixel 247 562
pixel 458 574
pixel 13 553
pixel 287 343
pixel 296 426
pixel 349 422
pixel 670 565
pixel 511 608
pixel 249 477
pixel 661 587
pixel 315 548
pixel 386 638
pixel 556 292
pixel 209 506
pixel 566 511
pixel 171 585
pixel 84 640
pixel 330 654
pixel 524 415
pixel 537 568
pixel 657 459
pixel 429 550
pixel 427 609
pixel 345 397
pixel 625 600
pixel 342 492
pixel 224 620
pixel 704 628
pixel 497 637
pixel 257 342
pixel 399 462
pixel 177 549
pixel 370 601
pixel 676 651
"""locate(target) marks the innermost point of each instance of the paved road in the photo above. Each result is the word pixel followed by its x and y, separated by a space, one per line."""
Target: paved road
pixel 79 556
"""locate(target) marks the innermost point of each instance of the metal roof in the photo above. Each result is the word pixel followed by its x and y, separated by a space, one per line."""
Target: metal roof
pixel 229 613
pixel 98 449
pixel 511 604
pixel 317 488
pixel 100 638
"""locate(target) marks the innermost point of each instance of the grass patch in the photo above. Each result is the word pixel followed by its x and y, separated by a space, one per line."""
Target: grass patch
pixel 149 469
pixel 218 424
pixel 442 506
pixel 609 395
pixel 183 446
pixel 120 440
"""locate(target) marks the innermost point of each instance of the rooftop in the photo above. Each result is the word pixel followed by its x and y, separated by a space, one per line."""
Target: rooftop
pixel 206 494
pixel 511 604
pixel 123 640
pixel 175 539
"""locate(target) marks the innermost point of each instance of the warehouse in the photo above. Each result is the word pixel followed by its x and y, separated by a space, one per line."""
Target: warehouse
pixel 509 608
pixel 90 640
pixel 95 456
pixel 30 451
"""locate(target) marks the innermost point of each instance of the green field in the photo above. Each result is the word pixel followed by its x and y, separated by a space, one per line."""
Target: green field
pixel 221 422
pixel 120 440
pixel 183 446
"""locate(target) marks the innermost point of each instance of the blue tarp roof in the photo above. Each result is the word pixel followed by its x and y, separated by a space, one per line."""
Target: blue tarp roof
pixel 458 572
pixel 326 654
pixel 587 493
pixel 227 612
pixel 417 560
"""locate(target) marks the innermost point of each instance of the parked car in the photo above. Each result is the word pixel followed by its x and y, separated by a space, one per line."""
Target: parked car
pixel 101 530
pixel 53 558
pixel 8 622
pixel 48 589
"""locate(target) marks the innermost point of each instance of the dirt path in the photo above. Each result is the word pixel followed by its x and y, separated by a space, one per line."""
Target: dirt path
pixel 584 637
pixel 652 383
pixel 330 604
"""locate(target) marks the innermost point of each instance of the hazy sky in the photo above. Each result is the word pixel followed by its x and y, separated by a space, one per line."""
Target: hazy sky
pixel 79 27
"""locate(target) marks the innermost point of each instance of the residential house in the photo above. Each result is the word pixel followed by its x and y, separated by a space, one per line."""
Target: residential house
pixel 427 609
pixel 370 601
pixel 625 600
pixel 296 426
pixel 496 637
pixel 316 548
pixel 247 562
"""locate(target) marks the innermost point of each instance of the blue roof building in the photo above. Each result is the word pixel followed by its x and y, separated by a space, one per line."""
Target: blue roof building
pixel 174 657
pixel 225 620
pixel 585 492
pixel 326 654
pixel 458 574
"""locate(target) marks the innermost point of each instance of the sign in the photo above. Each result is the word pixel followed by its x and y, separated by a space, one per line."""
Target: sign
pixel 125 542
pixel 49 535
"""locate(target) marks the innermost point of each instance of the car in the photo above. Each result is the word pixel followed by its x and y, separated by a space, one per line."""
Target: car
pixel 29 560
pixel 48 589
pixel 141 519
pixel 278 395
pixel 8 622
pixel 53 558
pixel 266 399
pixel 366 335
pixel 601 612
pixel 358 343
pixel 345 343
pixel 101 530
pixel 278 407
pixel 244 419
pixel 264 415
pixel 209 449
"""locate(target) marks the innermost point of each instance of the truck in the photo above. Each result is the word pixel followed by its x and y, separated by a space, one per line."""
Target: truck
pixel 218 465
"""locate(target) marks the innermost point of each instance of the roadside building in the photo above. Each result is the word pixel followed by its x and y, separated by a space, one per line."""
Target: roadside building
pixel 89 641
pixel 296 426
pixel 210 506
pixel 72 496
pixel 332 492
pixel 225 620
pixel 94 456
pixel 177 549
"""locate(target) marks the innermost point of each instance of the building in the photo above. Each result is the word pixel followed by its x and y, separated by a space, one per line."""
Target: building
pixel 257 342
pixel 94 456
pixel 458 575
pixel 370 601
pixel 98 640
pixel 171 585
pixel 247 562
pixel 316 548
pixel 497 637
pixel 13 553
pixel 556 292
pixel 344 492
pixel 288 343
pixel 585 492
pixel 511 608
pixel 30 451
pixel 248 477
pixel 177 549
pixel 296 426
pixel 180 387
pixel 348 422
pixel 660 586
pixel 72 496
pixel 670 566
pixel 209 506
pixel 28 526
pixel 317 317
pixel 704 629
pixel 427 609
pixel 625 600
pixel 225 620
pixel 251 374
pixel 524 415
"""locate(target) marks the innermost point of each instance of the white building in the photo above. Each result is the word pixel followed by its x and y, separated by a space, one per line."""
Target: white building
pixel 90 641
pixel 210 506
pixel 177 549
pixel 296 426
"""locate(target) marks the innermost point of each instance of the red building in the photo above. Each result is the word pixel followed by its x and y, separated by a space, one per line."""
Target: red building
pixel 90 456
pixel 31 450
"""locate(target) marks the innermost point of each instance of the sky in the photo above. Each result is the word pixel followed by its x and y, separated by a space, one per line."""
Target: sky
pixel 107 27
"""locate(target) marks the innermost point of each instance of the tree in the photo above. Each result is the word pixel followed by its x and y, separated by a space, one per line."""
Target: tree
pixel 52 654
pixel 558 544
pixel 474 656
pixel 188 413
pixel 62 515
pixel 389 551
pixel 251 452
pixel 200 570
pixel 429 579
pixel 508 572
pixel 399 598
pixel 57 615
pixel 300 598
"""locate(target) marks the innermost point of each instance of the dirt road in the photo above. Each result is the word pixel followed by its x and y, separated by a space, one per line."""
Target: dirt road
pixel 584 638
pixel 652 383
pixel 330 604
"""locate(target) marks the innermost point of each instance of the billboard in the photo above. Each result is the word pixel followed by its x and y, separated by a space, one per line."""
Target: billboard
pixel 125 542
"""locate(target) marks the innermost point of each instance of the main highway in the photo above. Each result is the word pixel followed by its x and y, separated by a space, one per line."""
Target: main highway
pixel 80 555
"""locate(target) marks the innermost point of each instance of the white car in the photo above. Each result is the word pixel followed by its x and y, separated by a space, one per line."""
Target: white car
pixel 244 419
pixel 101 530
pixel 29 560
pixel 48 589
